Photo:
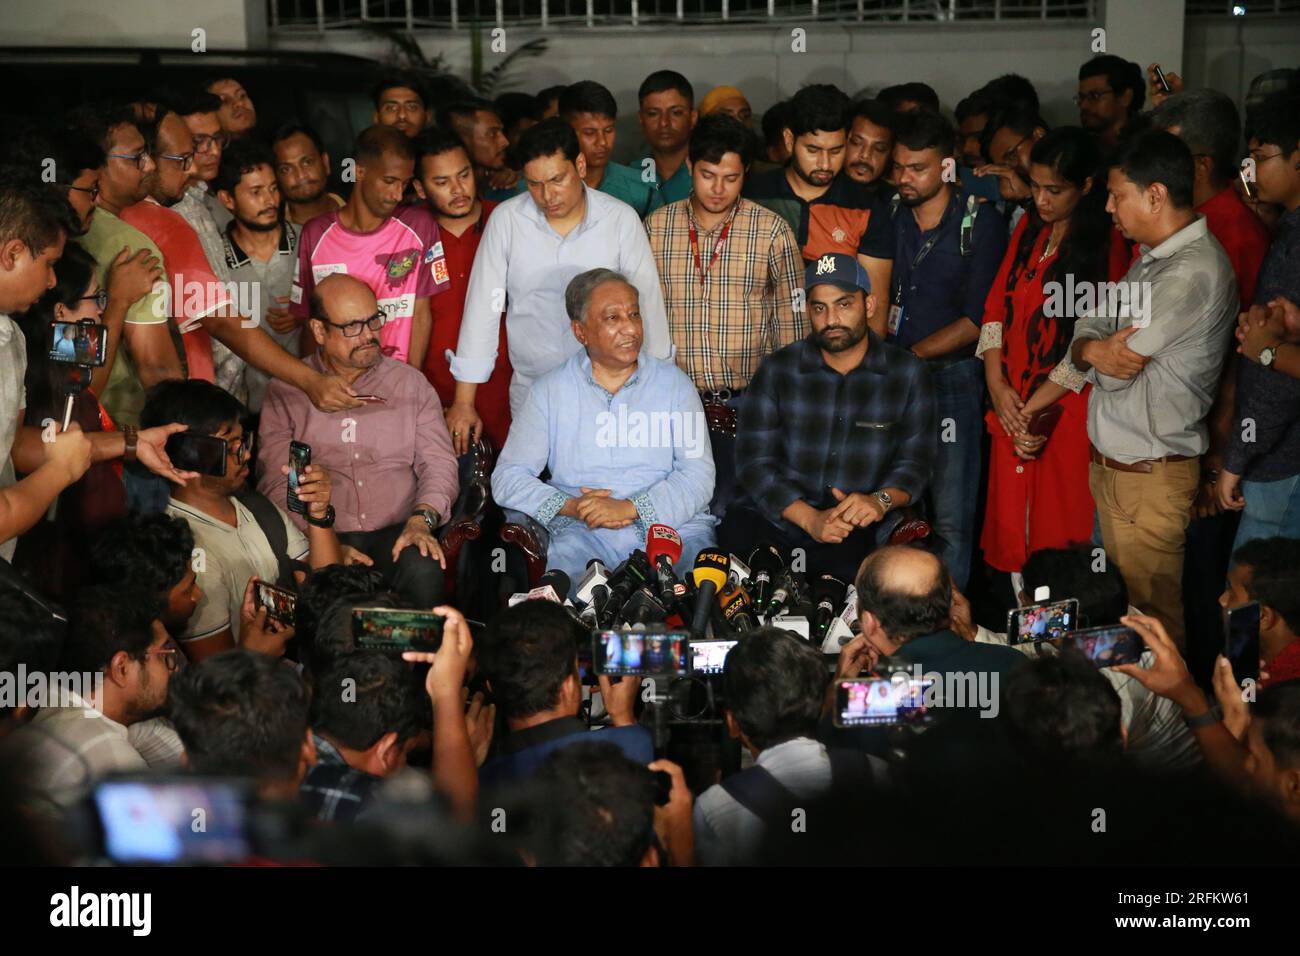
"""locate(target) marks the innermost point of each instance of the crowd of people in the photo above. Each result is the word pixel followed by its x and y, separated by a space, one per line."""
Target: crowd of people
pixel 1069 354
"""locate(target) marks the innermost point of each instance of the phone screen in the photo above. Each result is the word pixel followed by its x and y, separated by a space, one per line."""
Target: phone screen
pixel 1242 647
pixel 78 343
pixel 153 821
pixel 881 701
pixel 1042 622
pixel 191 451
pixel 299 459
pixel 708 657
pixel 1109 646
pixel 391 629
pixel 280 603
pixel 640 653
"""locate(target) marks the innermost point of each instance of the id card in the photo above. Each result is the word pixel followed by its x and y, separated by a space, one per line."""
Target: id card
pixel 895 318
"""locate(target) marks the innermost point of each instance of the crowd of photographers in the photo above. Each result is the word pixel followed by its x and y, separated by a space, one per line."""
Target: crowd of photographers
pixel 757 404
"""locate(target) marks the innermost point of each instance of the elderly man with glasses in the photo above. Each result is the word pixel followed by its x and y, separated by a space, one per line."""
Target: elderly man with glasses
pixel 394 472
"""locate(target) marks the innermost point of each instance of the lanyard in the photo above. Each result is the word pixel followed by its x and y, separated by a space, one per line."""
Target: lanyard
pixel 922 253
pixel 717 249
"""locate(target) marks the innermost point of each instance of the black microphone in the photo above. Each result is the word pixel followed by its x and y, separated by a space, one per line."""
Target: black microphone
pixel 829 593
pixel 590 615
pixel 785 595
pixel 626 578
pixel 765 564
pixel 643 608
pixel 710 574
pixel 557 581
pixel 736 608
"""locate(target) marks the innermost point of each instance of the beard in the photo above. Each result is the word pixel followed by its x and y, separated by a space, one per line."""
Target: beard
pixel 259 225
pixel 919 198
pixel 842 343
pixel 310 197
pixel 825 175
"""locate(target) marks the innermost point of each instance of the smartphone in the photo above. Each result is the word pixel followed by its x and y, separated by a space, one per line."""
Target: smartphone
pixel 280 603
pixel 391 629
pixel 623 653
pixel 1110 645
pixel 1161 81
pixel 881 701
pixel 193 451
pixel 1043 423
pixel 299 459
pixel 78 343
pixel 708 657
pixel 152 820
pixel 1042 622
pixel 1242 645
pixel 1247 186
pixel 371 399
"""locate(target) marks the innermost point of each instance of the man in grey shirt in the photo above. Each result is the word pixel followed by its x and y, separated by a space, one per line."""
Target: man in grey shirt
pixel 1152 346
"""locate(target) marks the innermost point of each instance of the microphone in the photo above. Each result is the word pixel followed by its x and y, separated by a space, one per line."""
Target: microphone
pixel 828 592
pixel 631 574
pixel 552 586
pixel 663 548
pixel 590 615
pixel 643 608
pixel 596 573
pixel 765 564
pixel 710 574
pixel 737 608
pixel 788 593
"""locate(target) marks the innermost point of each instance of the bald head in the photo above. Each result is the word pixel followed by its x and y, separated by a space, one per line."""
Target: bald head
pixel 339 300
pixel 907 590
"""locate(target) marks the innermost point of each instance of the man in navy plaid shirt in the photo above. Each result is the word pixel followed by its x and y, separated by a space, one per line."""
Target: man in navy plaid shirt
pixel 837 431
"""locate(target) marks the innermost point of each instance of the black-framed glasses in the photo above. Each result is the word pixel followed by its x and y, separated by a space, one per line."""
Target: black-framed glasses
pixel 241 447
pixel 100 297
pixel 1092 96
pixel 351 330
pixel 92 190
pixel 185 159
pixel 1009 156
pixel 203 142
pixel 1265 159
pixel 139 158
pixel 168 654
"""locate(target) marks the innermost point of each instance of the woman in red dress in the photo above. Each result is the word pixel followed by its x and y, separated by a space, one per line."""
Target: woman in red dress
pixel 1038 468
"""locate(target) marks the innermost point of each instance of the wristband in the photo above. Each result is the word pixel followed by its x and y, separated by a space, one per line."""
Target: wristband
pixel 131 435
pixel 1204 720
pixel 325 522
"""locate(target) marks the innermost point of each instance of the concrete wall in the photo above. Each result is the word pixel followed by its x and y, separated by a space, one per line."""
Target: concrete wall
pixel 229 24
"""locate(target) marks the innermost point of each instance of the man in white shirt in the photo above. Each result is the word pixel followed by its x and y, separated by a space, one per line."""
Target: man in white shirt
pixel 115 666
pixel 532 246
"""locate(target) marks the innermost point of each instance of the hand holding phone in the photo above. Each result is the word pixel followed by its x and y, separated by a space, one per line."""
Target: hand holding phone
pixel 196 452
pixel 1108 646
pixel 299 459
pixel 1241 644
pixel 395 630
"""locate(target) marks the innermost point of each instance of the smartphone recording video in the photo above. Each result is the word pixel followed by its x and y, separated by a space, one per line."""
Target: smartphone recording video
pixel 192 451
pixel 708 657
pixel 299 459
pixel 881 701
pixel 78 343
pixel 393 630
pixel 629 653
pixel 1108 646
pixel 152 821
pixel 1242 645
pixel 280 603
pixel 1042 622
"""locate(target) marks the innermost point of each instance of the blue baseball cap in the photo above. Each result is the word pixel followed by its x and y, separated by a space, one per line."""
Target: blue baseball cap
pixel 837 269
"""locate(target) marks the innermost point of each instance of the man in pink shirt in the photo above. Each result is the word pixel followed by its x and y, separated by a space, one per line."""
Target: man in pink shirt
pixel 396 250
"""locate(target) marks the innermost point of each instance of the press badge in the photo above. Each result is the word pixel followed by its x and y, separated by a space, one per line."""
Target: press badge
pixel 895 318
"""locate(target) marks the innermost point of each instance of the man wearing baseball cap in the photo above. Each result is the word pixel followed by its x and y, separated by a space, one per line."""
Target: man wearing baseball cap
pixel 837 431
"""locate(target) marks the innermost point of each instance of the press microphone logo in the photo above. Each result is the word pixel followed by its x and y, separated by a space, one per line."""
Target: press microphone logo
pixel 76 909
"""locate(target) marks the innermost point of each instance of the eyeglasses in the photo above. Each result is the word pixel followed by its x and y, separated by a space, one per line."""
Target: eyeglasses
pixel 140 158
pixel 185 159
pixel 100 297
pixel 351 330
pixel 1092 96
pixel 93 190
pixel 168 654
pixel 203 142
pixel 1009 157
pixel 241 447
pixel 1265 159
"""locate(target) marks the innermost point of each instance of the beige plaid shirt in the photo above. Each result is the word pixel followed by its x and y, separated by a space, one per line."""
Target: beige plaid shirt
pixel 744 309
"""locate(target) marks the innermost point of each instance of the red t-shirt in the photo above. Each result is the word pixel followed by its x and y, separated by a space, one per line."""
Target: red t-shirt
pixel 193 290
pixel 492 399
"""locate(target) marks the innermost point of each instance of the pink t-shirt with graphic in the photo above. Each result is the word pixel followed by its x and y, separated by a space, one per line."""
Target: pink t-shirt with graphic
pixel 401 261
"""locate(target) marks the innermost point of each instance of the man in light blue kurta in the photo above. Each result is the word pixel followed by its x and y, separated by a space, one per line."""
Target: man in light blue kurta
pixel 623 434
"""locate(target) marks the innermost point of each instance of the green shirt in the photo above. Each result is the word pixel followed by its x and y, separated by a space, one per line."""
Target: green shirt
pixel 123 396
pixel 677 186
pixel 625 183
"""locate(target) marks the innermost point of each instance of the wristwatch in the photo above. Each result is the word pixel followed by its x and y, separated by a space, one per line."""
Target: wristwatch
pixel 884 498
pixel 1202 720
pixel 325 522
pixel 131 435
pixel 431 518
pixel 1267 355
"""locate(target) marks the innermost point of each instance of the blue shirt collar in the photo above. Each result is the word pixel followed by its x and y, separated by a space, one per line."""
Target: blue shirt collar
pixel 584 363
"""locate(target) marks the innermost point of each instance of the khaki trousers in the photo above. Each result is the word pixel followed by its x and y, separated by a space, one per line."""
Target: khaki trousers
pixel 1144 521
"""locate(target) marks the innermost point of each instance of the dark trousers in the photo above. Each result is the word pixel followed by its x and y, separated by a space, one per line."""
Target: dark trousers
pixel 744 529
pixel 725 488
pixel 416 578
